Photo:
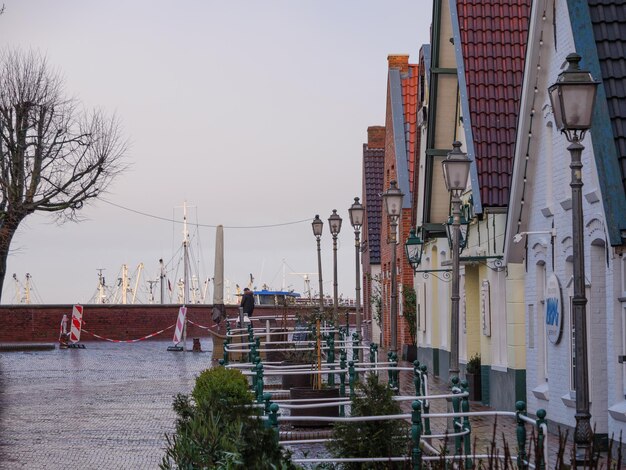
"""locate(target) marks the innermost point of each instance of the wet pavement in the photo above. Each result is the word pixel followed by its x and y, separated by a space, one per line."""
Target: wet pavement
pixel 106 406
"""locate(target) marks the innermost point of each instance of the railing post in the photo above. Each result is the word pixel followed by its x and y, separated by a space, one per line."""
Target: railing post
pixel 257 354
pixel 331 360
pixel 395 373
pixel 541 419
pixel 342 379
pixel 255 377
pixel 351 374
pixel 266 398
pixel 520 408
pixel 389 371
pixel 355 347
pixel 226 343
pixel 373 349
pixel 273 418
pixel 416 434
pixel 456 407
pixel 259 382
pixel 467 438
pixel 426 405
pixel 416 378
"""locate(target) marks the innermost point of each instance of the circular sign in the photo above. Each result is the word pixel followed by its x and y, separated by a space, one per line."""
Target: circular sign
pixel 554 310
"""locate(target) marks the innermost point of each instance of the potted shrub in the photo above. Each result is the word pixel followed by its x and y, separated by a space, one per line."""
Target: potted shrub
pixel 409 311
pixel 314 388
pixel 473 375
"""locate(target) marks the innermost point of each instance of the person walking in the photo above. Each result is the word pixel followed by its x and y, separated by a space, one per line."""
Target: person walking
pixel 247 304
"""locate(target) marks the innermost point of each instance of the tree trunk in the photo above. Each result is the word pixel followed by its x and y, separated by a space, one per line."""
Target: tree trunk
pixel 7 230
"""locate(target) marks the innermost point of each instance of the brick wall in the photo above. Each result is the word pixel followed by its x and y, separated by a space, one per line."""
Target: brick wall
pixel 41 323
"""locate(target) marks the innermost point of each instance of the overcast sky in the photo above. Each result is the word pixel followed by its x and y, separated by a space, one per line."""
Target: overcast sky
pixel 253 112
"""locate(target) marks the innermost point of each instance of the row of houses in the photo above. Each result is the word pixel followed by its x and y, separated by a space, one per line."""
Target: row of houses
pixel 483 81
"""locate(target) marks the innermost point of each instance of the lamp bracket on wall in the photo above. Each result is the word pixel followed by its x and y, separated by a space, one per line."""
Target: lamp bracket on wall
pixel 492 262
pixel 446 274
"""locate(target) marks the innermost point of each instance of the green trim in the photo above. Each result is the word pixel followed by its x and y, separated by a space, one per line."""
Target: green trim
pixel 443 70
pixel 484 377
pixel 520 385
pixel 432 105
pixel 437 152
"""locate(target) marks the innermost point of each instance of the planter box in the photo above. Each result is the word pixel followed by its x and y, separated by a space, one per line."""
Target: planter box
pixel 308 392
pixel 292 380
pixel 474 386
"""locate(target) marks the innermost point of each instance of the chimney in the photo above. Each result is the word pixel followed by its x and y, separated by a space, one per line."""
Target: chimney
pixel 376 137
pixel 399 61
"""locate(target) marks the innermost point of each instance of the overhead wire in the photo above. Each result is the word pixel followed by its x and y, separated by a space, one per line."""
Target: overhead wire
pixel 165 219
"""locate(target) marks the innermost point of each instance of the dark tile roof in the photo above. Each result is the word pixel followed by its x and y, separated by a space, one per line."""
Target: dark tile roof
pixel 410 102
pixel 373 179
pixel 608 18
pixel 493 41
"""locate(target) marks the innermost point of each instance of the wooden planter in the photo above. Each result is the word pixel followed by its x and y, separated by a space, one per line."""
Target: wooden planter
pixel 474 386
pixel 308 392
pixel 301 380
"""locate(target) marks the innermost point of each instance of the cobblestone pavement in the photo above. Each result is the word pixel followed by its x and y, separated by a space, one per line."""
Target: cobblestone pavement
pixel 109 405
pixel 103 407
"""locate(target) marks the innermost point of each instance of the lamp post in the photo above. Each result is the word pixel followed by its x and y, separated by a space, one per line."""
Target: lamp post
pixel 455 172
pixel 572 98
pixel 393 203
pixel 318 225
pixel 334 221
pixel 357 212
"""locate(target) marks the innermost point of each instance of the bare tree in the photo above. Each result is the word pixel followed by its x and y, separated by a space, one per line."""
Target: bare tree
pixel 55 156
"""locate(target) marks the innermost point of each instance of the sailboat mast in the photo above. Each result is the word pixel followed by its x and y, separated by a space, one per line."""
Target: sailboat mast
pixel 186 271
pixel 162 279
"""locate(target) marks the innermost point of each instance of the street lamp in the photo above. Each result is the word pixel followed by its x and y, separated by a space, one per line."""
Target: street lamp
pixel 318 225
pixel 455 171
pixel 357 212
pixel 334 221
pixel 572 98
pixel 393 203
pixel 414 247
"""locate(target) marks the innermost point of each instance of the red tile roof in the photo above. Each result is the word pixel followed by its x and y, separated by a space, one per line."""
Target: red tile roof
pixel 410 103
pixel 493 41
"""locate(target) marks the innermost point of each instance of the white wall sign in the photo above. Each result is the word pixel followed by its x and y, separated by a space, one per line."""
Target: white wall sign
pixel 485 308
pixel 554 310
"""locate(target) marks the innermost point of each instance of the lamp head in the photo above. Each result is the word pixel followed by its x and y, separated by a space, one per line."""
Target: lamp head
pixel 456 170
pixel 317 225
pixel 393 200
pixel 572 98
pixel 357 213
pixel 334 221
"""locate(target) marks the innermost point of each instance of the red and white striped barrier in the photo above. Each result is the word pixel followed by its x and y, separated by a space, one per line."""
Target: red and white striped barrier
pixel 180 325
pixel 198 325
pixel 77 323
pixel 128 340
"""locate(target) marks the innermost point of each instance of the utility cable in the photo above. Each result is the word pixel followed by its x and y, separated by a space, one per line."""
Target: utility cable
pixel 145 214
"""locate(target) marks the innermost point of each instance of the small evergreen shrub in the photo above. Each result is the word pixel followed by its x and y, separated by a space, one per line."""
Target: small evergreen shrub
pixel 218 428
pixel 222 386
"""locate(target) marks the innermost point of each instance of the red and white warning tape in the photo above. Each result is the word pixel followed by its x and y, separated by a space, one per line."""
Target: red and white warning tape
pixel 199 326
pixel 128 340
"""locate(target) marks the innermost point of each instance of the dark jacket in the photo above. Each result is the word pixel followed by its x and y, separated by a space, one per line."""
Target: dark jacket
pixel 247 302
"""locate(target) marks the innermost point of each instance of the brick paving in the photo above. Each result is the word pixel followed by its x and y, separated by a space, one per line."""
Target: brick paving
pixel 106 406
pixel 109 405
